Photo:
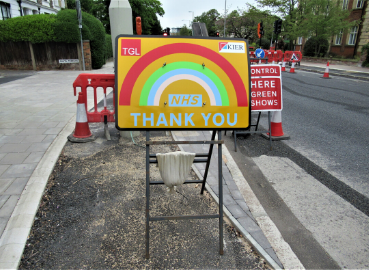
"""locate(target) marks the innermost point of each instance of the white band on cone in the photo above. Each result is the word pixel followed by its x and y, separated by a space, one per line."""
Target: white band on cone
pixel 277 117
pixel 81 113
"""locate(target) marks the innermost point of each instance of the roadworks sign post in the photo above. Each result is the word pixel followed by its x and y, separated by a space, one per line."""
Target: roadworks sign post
pixel 266 95
pixel 175 83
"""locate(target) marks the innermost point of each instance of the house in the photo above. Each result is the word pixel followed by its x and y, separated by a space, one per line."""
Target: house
pixel 348 43
pixel 175 31
pixel 16 8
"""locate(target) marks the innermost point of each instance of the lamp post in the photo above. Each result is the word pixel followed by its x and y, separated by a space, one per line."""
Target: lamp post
pixel 225 16
pixel 189 22
pixel 192 16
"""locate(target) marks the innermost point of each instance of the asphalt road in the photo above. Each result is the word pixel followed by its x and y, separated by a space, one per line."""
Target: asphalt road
pixel 318 178
pixel 327 120
pixel 12 75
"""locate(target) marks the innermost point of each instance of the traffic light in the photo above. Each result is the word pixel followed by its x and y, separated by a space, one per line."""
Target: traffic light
pixel 260 30
pixel 217 34
pixel 168 31
pixel 277 26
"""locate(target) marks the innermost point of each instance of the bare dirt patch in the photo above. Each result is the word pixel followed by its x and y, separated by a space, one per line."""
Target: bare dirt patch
pixel 92 216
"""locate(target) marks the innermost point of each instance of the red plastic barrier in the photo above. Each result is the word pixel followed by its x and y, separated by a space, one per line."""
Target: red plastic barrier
pixel 298 54
pixel 287 56
pixel 252 55
pixel 270 55
pixel 278 56
pixel 96 80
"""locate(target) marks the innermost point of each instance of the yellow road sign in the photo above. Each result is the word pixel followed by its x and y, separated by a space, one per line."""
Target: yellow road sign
pixel 181 83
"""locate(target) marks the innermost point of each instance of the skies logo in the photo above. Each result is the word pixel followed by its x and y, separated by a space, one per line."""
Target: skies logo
pixel 232 47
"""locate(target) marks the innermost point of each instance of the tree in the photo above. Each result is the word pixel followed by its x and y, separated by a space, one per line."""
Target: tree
pixel 185 31
pixel 243 23
pixel 209 18
pixel 146 9
pixel 322 19
pixel 156 27
pixel 287 10
pixel 86 5
pixel 100 10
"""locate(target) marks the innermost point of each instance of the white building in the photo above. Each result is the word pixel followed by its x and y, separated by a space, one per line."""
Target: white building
pixel 16 8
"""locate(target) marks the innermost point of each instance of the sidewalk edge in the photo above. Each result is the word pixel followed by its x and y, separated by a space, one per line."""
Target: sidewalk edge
pixel 41 175
pixel 338 75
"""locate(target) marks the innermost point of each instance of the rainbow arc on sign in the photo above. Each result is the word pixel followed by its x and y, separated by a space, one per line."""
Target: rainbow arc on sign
pixel 159 80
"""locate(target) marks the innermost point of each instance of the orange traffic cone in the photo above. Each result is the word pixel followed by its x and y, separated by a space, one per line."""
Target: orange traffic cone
pixel 283 65
pixel 292 69
pixel 326 73
pixel 276 128
pixel 82 131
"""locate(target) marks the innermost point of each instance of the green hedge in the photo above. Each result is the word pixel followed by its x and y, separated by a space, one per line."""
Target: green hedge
pixel 66 32
pixel 108 47
pixel 36 28
pixel 313 44
pixel 62 27
pixel 265 43
pixel 92 29
pixel 365 49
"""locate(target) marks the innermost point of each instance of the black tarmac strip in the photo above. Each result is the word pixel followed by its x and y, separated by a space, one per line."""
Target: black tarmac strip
pixel 13 75
pixel 92 215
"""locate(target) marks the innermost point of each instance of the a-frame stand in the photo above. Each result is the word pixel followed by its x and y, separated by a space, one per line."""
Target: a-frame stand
pixel 235 132
pixel 199 158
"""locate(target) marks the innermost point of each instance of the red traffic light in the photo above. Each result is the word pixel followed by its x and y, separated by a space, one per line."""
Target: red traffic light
pixel 165 34
pixel 260 30
pixel 217 34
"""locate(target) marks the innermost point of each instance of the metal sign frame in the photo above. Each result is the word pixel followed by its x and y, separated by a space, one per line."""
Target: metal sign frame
pixel 199 158
pixel 216 119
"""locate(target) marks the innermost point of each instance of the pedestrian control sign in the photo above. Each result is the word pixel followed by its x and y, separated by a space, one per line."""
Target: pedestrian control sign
pixel 181 83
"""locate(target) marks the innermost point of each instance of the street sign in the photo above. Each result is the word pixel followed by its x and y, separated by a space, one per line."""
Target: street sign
pixel 266 88
pixel 259 53
pixel 68 61
pixel 181 83
pixel 294 57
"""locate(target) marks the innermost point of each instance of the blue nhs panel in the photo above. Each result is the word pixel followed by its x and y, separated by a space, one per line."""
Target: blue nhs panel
pixel 185 100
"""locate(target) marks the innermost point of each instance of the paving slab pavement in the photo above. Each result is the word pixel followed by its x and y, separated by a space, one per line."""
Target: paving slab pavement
pixel 37 114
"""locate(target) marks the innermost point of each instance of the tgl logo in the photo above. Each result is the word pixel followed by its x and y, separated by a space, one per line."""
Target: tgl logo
pixel 185 100
pixel 131 47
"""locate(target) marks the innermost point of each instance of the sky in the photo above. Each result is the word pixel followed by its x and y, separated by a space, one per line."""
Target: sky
pixel 177 12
